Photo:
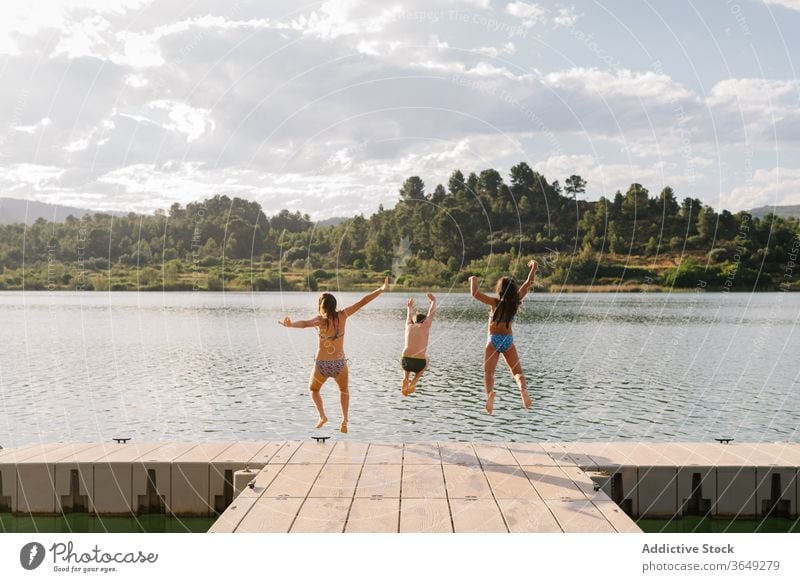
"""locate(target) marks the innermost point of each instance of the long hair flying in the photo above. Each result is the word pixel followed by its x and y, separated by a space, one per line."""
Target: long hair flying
pixel 508 300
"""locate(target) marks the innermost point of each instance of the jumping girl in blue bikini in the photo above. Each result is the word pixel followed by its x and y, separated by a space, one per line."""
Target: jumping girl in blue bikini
pixel 330 361
pixel 501 340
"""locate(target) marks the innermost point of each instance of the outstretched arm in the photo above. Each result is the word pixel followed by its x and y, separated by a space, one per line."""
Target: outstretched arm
pixel 287 322
pixel 366 299
pixel 523 290
pixel 431 308
pixel 473 289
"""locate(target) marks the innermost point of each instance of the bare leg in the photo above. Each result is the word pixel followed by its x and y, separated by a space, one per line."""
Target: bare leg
pixel 413 387
pixel 490 359
pixel 314 385
pixel 406 375
pixel 344 395
pixel 512 359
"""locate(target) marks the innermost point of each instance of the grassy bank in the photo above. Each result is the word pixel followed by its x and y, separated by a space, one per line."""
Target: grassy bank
pixel 579 274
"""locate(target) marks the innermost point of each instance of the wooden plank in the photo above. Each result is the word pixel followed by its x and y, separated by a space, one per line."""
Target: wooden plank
pixel 553 483
pixel 293 481
pixel 374 516
pixel 63 453
pixel 466 482
pixel 240 452
pixel 579 516
pixel 385 453
pixel 348 452
pixel 379 480
pixel 166 453
pixel 311 452
pixel 128 452
pixel 204 452
pixel 262 481
pixel 37 454
pixel 230 518
pixel 458 454
pixel 580 478
pixel 270 515
pixel 615 516
pixel 477 516
pixel 425 481
pixel 286 452
pixel 336 481
pixel 579 456
pixel 322 515
pixel 494 454
pixel 531 454
pixel 16 452
pixel 425 516
pixel 94 453
pixel 510 483
pixel 528 516
pixel 421 454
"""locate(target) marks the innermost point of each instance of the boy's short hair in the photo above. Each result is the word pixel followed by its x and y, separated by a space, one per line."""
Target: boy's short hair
pixel 419 317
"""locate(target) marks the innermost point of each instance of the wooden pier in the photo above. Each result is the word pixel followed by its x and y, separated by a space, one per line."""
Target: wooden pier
pixel 414 487
pixel 349 486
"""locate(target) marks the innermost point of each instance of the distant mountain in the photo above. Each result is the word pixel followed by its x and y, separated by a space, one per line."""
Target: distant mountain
pixel 331 221
pixel 14 211
pixel 788 210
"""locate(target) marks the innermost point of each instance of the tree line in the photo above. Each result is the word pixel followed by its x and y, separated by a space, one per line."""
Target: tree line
pixel 479 223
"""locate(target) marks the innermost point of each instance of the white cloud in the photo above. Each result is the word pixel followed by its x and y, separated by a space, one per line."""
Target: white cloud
pixel 336 18
pixel 528 12
pixel 494 52
pixel 28 18
pixel 566 17
pixel 33 176
pixel 765 188
pixel 78 145
pixel 651 86
pixel 192 121
pixel 754 94
pixel 32 129
pixel 606 178
pixel 790 4
pixel 85 38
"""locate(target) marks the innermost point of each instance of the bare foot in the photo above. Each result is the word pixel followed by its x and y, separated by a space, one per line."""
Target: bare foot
pixel 490 402
pixel 526 400
pixel 404 391
pixel 412 388
pixel 322 421
pixel 343 428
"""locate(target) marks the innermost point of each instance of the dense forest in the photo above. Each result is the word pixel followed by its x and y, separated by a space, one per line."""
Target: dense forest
pixel 475 224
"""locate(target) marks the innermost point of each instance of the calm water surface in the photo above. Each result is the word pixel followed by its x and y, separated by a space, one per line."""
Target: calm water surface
pixel 689 366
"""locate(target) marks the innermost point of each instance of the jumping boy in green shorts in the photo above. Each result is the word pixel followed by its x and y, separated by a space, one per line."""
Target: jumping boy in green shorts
pixel 418 327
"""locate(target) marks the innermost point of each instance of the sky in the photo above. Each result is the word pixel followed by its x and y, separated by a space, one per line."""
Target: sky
pixel 326 107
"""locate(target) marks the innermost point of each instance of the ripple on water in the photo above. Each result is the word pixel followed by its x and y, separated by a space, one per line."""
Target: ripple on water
pixel 600 367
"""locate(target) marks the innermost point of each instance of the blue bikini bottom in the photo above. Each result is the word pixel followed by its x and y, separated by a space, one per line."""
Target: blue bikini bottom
pixel 501 341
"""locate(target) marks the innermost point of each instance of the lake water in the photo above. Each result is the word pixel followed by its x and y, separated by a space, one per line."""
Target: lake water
pixel 217 366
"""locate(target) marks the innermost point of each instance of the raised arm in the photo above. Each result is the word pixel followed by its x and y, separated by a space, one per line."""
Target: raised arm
pixel 431 308
pixel 473 289
pixel 410 311
pixel 366 299
pixel 523 290
pixel 287 322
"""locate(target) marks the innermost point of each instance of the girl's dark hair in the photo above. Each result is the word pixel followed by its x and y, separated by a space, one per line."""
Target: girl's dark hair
pixel 419 317
pixel 327 308
pixel 508 300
